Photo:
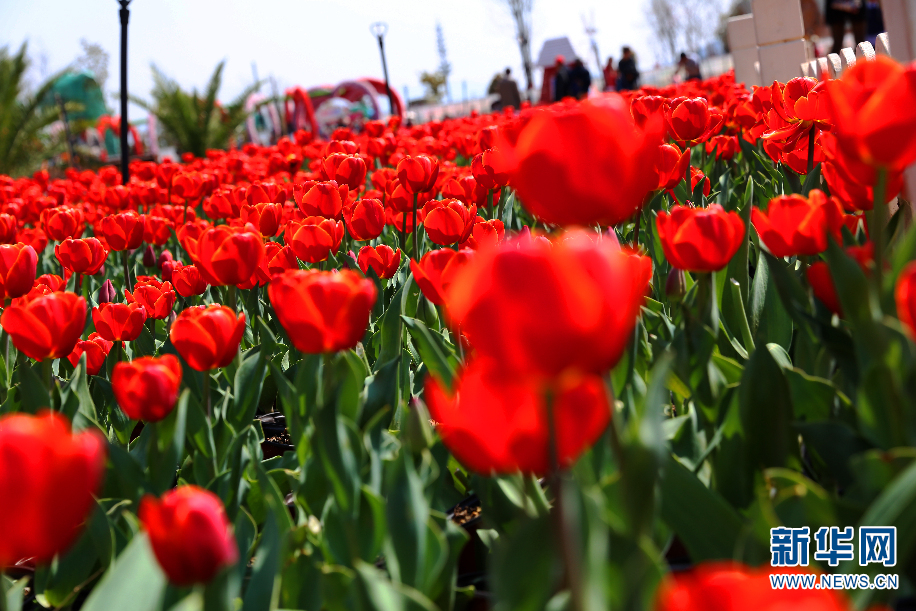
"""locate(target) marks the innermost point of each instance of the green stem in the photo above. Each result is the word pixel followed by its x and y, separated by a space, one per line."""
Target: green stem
pixel 151 323
pixel 490 210
pixel 811 149
pixel 416 237
pixel 404 233
pixel 46 373
pixel 126 271
pixel 879 216
pixel 207 392
pixel 746 336
pixel 233 297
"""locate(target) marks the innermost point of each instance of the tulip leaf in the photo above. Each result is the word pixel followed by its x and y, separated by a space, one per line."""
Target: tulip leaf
pixel 167 449
pixel 812 180
pixel 262 593
pixel 766 411
pixel 436 354
pixel 134 581
pixel 33 394
pixel 407 510
pixel 249 380
pixel 335 450
pixel 376 593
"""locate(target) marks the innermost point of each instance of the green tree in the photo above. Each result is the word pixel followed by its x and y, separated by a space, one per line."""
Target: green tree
pixel 194 122
pixel 24 141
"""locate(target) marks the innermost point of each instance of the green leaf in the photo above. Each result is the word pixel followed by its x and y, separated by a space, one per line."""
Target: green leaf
pixel 766 411
pixel 407 510
pixel 165 454
pixel 33 394
pixel 390 328
pixel 133 582
pixel 438 356
pixel 262 593
pixel 708 526
pixel 249 379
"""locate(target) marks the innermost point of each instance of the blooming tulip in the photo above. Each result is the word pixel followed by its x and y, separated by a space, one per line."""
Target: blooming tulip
pixel 700 239
pixel 207 337
pixel 228 256
pixel 436 271
pixel 383 261
pixel 119 322
pixel 46 327
pixel 96 348
pixel 187 281
pixel 691 121
pixel 795 225
pixel 82 256
pixel 321 199
pixel 190 534
pixel 365 219
pixel 18 263
pixel 48 477
pixel 62 223
pixel 418 173
pixel 322 311
pixel 147 388
pixel 123 231
pixel 314 238
pixel 157 297
pixel 448 221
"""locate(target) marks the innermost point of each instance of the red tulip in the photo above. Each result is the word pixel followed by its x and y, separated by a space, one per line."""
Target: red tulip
pixel 62 223
pixel 795 225
pixel 448 221
pixel 591 294
pixel 156 297
pixel 349 170
pixel 643 108
pixel 265 216
pixel 672 166
pixel 157 230
pixel 228 255
pixel 583 165
pixel 726 147
pixel 8 227
pixel 418 173
pixel 279 259
pixel 314 238
pixel 119 322
pixel 187 281
pixel 207 337
pixel 46 327
pixel 123 231
pixel 34 237
pixel 322 311
pixel 436 271
pixel 82 256
pixel 700 239
pixel 321 199
pixel 48 477
pixel 190 534
pixel 485 234
pixel 147 388
pixel 96 348
pixel 905 296
pixel 488 170
pixel 797 106
pixel 383 261
pixel 691 121
pixel 18 263
pixel 365 219
pixel 517 433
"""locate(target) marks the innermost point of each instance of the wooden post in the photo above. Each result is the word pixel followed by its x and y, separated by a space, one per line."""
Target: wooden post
pixel 781 44
pixel 742 42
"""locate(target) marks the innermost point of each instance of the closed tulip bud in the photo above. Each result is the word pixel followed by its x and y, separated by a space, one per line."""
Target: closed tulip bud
pixel 107 292
pixel 436 271
pixel 190 534
pixel 147 388
pixel 123 231
pixel 418 173
pixel 349 170
pixel 164 256
pixel 365 219
pixel 149 256
pixel 676 284
pixel 48 477
pixel 96 348
pixel 119 322
pixel 322 311
pixel 18 264
pixel 8 226
pixel 46 327
pixel 383 261
pixel 691 121
pixel 207 337
pixel 83 256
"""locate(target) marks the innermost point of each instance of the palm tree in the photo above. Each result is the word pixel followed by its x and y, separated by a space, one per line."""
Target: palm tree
pixel 24 141
pixel 193 122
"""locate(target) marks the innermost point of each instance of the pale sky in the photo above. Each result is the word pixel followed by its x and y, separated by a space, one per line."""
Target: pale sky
pixel 312 42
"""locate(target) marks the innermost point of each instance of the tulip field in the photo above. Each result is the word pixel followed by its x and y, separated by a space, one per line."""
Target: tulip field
pixel 586 356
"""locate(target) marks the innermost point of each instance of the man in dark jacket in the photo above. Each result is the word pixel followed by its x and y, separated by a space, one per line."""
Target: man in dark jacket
pixel 627 74
pixel 508 91
pixel 580 80
pixel 560 80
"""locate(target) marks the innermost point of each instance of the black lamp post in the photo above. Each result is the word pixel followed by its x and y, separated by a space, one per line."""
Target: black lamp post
pixel 125 152
pixel 379 29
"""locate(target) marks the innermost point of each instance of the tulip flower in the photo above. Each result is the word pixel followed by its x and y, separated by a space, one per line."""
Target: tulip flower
pixel 123 231
pixel 107 292
pixel 18 263
pixel 267 217
pixel 418 173
pixel 383 261
pixel 81 256
pixel 228 256
pixel 700 239
pixel 517 433
pixel 147 388
pixel 485 234
pixel 590 292
pixel 821 281
pixel 905 296
pixel 62 223
pixel 46 327
pixel 349 170
pixel 322 311
pixel 583 165
pixel 96 348
pixel 190 534
pixel 797 107
pixel 795 225
pixel 644 107
pixel 728 586
pixel 156 297
pixel 188 281
pixel 691 121
pixel 321 199
pixel 156 230
pixel 207 337
pixel 365 219
pixel 34 237
pixel 314 238
pixel 436 271
pixel 279 259
pixel 672 166
pixel 448 221
pixel 8 226
pixel 119 322
pixel 488 171
pixel 48 477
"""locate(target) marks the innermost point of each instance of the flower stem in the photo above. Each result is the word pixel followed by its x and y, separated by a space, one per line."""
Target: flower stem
pixel 879 216
pixel 416 240
pixel 207 392
pixel 811 149
pixel 127 284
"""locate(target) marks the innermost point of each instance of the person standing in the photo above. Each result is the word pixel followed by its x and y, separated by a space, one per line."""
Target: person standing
pixel 560 79
pixel 508 91
pixel 841 12
pixel 580 80
pixel 691 68
pixel 610 76
pixel 627 74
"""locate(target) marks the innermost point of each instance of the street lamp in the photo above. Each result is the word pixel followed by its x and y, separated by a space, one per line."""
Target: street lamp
pixel 125 153
pixel 379 29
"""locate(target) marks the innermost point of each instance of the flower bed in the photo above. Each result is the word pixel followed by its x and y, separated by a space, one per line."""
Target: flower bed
pixel 603 354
